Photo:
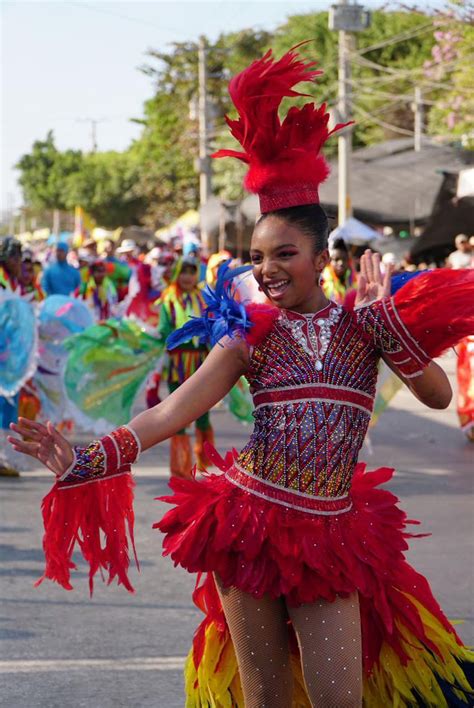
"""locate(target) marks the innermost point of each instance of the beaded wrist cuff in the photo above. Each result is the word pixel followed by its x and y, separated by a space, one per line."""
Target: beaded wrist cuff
pixel 110 456
pixel 382 323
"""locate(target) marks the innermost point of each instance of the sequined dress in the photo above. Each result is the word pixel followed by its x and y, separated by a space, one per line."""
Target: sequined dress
pixel 295 515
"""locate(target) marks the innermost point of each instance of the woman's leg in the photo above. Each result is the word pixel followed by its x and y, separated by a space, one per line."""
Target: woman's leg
pixel 181 457
pixel 259 631
pixel 204 434
pixel 329 638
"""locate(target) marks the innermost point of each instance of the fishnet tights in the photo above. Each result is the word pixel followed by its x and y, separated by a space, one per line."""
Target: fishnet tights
pixel 329 639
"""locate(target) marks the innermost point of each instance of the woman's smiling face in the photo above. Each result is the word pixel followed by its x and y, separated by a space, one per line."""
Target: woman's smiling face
pixel 286 267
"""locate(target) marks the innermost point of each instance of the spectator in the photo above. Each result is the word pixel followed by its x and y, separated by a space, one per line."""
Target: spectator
pixel 182 300
pixel 91 247
pixel 109 251
pixel 60 278
pixel 99 291
pixel 10 267
pixel 462 256
pixel 339 277
pixel 128 249
pixel 28 281
pixel 118 271
pixel 10 263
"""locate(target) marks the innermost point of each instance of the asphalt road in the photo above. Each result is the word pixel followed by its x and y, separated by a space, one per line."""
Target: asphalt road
pixel 65 649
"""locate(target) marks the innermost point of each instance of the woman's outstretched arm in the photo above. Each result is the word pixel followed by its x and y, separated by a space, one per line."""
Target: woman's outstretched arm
pixel 221 369
pixel 225 364
pixel 431 387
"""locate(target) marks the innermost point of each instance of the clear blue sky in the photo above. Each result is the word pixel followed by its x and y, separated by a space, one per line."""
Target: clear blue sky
pixel 67 61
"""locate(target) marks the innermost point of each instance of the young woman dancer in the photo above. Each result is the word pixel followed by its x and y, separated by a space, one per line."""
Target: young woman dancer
pixel 297 540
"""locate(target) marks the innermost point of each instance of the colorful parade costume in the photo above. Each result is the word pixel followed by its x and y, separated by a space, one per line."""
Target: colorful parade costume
pixel 18 352
pixel 294 515
pixel 177 308
pixel 465 378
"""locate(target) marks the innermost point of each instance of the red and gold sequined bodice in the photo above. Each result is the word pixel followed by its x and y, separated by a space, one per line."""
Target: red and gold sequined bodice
pixel 314 380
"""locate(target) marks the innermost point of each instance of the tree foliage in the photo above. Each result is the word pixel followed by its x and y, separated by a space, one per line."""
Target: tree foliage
pixel 102 183
pixel 105 188
pixel 44 173
pixel 155 180
pixel 451 68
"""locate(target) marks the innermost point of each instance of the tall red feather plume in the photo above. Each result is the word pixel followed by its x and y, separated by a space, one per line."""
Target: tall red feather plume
pixel 285 164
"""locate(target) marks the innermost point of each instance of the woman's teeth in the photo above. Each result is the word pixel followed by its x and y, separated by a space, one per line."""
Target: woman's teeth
pixel 277 288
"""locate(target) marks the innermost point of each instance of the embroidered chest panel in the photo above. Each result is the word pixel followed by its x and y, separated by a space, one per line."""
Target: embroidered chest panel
pixel 314 380
pixel 324 348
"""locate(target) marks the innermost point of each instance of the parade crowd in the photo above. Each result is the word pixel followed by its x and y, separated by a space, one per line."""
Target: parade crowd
pixel 161 288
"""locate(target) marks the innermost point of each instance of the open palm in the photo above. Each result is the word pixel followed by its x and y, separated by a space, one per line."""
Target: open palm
pixel 44 443
pixel 372 285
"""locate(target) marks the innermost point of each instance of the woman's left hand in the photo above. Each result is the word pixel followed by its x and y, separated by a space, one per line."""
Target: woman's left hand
pixel 372 285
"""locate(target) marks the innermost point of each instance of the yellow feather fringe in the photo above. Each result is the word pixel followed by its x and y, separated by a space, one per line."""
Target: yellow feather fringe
pixel 216 682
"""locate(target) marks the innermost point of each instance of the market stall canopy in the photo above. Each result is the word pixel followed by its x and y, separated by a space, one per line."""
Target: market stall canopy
pixel 390 182
pixel 451 216
pixel 218 216
pixel 354 232
pixel 393 184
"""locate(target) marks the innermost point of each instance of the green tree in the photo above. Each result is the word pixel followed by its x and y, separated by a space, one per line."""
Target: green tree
pixel 44 173
pixel 387 60
pixel 105 188
pixel 168 147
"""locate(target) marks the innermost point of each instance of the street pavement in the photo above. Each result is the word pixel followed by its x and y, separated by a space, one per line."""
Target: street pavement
pixel 115 649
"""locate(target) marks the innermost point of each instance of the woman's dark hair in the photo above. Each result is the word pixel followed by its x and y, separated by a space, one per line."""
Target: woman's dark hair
pixel 311 219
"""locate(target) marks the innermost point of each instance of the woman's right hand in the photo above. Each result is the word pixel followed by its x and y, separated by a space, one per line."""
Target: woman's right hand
pixel 44 443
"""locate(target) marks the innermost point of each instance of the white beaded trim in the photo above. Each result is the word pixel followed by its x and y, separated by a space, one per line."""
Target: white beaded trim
pixel 287 504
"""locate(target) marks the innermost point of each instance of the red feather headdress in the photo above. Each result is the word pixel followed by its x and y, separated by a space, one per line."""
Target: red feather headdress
pixel 285 164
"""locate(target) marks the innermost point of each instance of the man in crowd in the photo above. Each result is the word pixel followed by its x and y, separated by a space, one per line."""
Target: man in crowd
pixel 462 256
pixel 128 249
pixel 60 278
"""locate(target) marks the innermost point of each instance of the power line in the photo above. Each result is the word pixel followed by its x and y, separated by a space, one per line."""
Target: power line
pixel 405 74
pixel 125 17
pixel 371 118
pixel 401 37
pixel 387 95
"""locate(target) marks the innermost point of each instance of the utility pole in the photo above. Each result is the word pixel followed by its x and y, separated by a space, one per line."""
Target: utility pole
pixel 204 162
pixel 11 212
pixel 344 141
pixel 417 107
pixel 94 135
pixel 94 122
pixel 345 18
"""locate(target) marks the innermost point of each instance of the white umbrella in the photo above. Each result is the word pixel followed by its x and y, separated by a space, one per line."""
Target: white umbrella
pixel 355 233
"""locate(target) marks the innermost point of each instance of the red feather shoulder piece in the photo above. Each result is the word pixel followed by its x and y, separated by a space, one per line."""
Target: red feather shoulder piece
pixel 262 317
pixel 437 308
pixel 285 163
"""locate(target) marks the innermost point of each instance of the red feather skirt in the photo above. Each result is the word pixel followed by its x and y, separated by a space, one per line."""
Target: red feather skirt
pixel 411 653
